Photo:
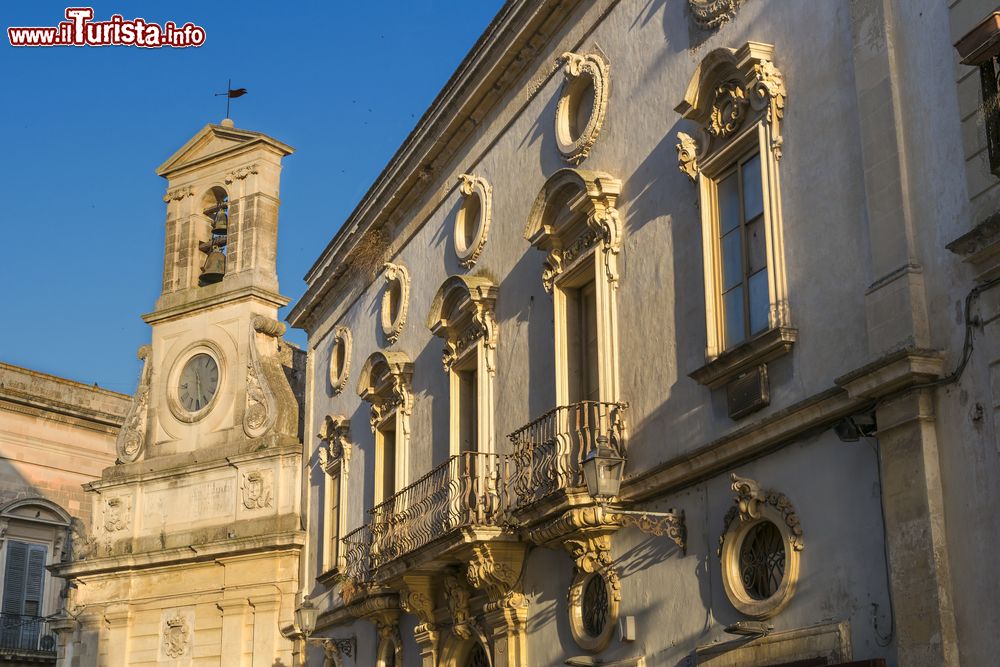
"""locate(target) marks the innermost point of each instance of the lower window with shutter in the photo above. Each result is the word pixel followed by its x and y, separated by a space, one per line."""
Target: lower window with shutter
pixel 21 604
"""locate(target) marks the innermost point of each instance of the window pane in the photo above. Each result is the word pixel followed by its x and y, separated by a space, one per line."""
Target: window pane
pixel 756 247
pixel 732 303
pixel 753 196
pixel 759 302
pixel 729 204
pixel 732 260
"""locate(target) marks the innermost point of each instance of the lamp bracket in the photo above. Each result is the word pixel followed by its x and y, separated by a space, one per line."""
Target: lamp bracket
pixel 334 647
pixel 670 524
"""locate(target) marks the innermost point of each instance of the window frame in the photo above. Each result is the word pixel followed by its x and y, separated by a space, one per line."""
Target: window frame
pixel 335 458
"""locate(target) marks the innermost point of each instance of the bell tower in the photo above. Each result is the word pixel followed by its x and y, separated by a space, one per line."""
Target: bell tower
pixel 197 530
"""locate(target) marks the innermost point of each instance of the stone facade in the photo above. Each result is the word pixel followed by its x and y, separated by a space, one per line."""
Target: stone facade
pixel 55 436
pixel 554 232
pixel 197 530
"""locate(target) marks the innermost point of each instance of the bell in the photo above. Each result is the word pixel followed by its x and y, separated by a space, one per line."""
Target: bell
pixel 214 268
pixel 220 223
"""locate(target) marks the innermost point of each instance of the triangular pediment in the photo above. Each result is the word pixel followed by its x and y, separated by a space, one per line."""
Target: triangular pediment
pixel 213 141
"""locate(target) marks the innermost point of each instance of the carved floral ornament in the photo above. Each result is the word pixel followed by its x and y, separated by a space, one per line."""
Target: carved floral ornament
pixel 730 90
pixel 472 223
pixel 395 300
pixel 385 384
pixel 572 215
pixel 760 574
pixel 709 14
pixel 132 436
pixel 462 313
pixel 582 105
pixel 340 359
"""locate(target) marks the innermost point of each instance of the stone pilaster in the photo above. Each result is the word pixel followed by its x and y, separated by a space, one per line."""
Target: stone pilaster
pixel 914 515
pixel 416 596
pixel 265 629
pixel 64 626
pixel 234 620
pixel 117 618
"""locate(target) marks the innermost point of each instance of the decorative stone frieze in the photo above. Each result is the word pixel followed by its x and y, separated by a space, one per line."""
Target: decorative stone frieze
pixel 395 301
pixel 241 173
pixel 582 105
pixel 755 511
pixel 132 436
pixel 472 224
pixel 178 193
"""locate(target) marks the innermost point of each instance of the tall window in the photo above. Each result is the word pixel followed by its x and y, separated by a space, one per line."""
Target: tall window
pixel 743 251
pixel 581 337
pixel 467 408
pixel 23 584
pixel 333 485
pixel 385 461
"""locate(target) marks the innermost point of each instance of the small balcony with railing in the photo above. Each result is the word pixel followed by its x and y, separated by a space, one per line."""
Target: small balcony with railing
pixel 26 639
pixel 544 468
pixel 455 503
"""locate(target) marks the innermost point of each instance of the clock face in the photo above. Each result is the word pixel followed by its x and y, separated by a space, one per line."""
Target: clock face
pixel 198 382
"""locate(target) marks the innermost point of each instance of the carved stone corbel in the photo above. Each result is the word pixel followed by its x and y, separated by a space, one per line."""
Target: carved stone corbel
pixel 496 570
pixel 335 450
pixel 132 437
pixel 457 595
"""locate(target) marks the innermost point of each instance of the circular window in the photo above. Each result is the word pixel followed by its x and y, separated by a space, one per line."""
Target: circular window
pixel 194 381
pixel 340 359
pixel 760 553
pixel 394 301
pixel 472 223
pixel 582 105
pixel 762 561
pixel 593 610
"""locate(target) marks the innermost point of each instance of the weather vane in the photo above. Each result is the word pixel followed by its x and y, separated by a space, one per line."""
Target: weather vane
pixel 230 94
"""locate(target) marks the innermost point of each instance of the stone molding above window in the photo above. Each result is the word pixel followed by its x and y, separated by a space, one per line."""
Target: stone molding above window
pixel 736 99
pixel 384 383
pixel 582 105
pixel 472 223
pixel 752 509
pixel 336 447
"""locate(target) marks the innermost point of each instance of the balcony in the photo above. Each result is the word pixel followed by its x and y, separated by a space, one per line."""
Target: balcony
pixel 546 453
pixel 459 493
pixel 26 639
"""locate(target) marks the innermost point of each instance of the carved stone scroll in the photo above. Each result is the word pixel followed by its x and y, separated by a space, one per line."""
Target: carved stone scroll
pixel 132 437
pixel 261 408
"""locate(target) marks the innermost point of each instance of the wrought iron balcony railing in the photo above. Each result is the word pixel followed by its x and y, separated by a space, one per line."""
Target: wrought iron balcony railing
pixel 26 635
pixel 460 492
pixel 547 452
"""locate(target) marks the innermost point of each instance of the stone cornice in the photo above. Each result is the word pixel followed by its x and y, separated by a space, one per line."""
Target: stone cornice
pixel 30 392
pixel 496 62
pixel 290 541
pixel 856 391
pixel 222 298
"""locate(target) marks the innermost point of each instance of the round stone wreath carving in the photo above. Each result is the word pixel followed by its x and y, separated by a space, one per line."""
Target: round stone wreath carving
pixel 582 106
pixel 709 14
pixel 395 301
pixel 593 611
pixel 173 400
pixel 340 359
pixel 472 223
pixel 760 551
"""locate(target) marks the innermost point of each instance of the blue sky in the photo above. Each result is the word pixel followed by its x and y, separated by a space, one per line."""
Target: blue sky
pixel 84 129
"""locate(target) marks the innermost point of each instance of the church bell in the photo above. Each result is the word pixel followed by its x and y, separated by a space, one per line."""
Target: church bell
pixel 214 268
pixel 220 222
